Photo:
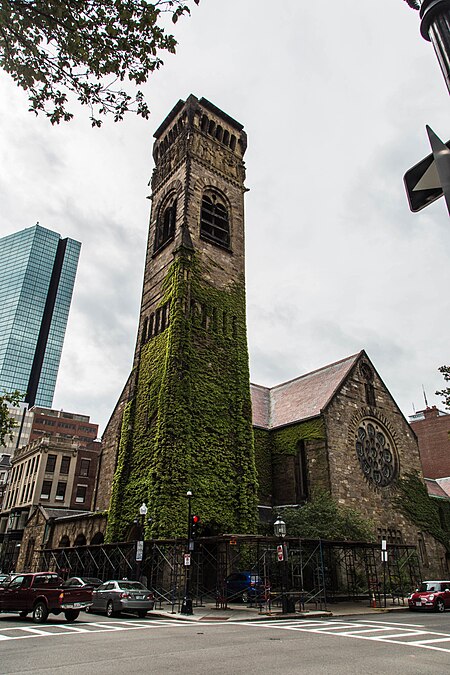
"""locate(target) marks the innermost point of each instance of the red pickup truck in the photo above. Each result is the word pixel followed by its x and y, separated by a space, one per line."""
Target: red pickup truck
pixel 42 594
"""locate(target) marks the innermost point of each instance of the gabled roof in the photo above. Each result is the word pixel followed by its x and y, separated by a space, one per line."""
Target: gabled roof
pixel 299 399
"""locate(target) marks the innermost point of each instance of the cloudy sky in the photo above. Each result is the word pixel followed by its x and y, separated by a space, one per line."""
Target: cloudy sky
pixel 334 97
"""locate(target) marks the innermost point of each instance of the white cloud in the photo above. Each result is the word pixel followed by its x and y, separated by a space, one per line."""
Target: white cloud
pixel 334 98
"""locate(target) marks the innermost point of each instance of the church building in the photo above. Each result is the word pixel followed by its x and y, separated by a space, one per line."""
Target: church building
pixel 188 419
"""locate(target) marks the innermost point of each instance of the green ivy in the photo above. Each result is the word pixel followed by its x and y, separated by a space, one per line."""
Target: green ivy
pixel 286 440
pixel 189 425
pixel 263 458
pixel 413 500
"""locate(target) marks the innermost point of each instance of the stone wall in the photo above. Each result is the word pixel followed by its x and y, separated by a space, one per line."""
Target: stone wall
pixel 110 445
pixel 352 481
pixel 88 525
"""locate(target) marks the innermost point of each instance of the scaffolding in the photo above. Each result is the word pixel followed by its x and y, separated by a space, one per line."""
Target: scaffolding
pixel 315 572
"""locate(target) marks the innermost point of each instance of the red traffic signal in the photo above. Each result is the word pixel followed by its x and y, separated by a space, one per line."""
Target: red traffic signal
pixel 195 521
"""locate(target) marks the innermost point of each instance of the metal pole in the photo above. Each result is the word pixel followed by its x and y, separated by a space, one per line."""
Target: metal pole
pixel 435 28
pixel 186 606
pixel 285 598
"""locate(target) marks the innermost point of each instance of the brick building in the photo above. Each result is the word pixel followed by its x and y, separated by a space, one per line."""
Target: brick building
pixel 53 471
pixel 432 428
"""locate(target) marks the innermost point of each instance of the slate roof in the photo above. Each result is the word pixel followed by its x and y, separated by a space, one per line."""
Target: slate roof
pixel 436 490
pixel 60 513
pixel 299 399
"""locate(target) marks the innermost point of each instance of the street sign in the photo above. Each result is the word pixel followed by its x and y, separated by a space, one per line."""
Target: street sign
pixel 139 551
pixel 280 552
pixel 384 556
pixel 423 182
pixel 187 559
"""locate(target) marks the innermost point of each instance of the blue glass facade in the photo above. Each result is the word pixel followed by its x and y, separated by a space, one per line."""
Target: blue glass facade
pixel 37 275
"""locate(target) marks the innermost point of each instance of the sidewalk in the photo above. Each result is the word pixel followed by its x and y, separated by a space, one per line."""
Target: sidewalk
pixel 236 612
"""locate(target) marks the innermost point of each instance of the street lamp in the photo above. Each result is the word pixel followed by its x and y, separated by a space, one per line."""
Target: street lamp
pixel 279 528
pixel 186 605
pixel 435 16
pixel 143 510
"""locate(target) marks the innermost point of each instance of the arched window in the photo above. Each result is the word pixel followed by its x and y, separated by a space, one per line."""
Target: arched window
pixel 204 123
pixel 64 542
pixel 300 473
pixel 165 226
pixel 98 538
pixel 80 540
pixel 214 223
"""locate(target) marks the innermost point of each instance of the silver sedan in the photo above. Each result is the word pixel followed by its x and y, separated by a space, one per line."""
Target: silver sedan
pixel 114 597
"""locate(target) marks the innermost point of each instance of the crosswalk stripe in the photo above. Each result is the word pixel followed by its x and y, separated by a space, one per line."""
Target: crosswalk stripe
pixel 36 631
pixel 427 642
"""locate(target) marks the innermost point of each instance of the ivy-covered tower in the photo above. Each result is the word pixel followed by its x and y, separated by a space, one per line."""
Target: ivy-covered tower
pixel 186 411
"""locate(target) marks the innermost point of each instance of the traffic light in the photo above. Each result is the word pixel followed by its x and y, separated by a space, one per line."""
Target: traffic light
pixel 195 522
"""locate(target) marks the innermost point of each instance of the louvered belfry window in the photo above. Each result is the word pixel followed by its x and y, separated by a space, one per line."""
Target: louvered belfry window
pixel 214 221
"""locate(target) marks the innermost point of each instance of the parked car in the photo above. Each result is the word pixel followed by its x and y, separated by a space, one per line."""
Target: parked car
pixel 82 582
pixel 114 597
pixel 42 594
pixel 434 595
pixel 246 586
pixel 5 579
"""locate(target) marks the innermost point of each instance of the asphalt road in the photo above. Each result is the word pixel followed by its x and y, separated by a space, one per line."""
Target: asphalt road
pixel 403 642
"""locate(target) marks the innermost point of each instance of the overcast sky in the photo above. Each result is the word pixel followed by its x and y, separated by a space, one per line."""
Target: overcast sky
pixel 334 97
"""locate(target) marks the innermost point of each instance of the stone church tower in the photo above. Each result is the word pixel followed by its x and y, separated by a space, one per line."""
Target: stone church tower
pixel 183 421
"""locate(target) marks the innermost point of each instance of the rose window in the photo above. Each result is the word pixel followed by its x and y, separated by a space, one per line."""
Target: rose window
pixel 376 453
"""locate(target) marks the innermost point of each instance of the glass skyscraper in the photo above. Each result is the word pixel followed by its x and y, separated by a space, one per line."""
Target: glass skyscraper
pixel 37 274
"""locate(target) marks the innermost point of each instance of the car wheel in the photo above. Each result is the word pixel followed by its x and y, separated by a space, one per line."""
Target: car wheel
pixel 142 613
pixel 245 596
pixel 71 615
pixel 110 609
pixel 40 612
pixel 88 609
pixel 439 606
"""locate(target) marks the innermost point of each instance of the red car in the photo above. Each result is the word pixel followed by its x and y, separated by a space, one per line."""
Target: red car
pixel 434 595
pixel 42 594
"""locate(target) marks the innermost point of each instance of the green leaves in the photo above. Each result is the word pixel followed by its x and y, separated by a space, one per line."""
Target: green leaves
pixel 53 47
pixel 445 393
pixel 323 518
pixel 414 502
pixel 7 423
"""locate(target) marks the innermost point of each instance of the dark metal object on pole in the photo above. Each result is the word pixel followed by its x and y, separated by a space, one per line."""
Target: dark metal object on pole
pixel 279 527
pixel 435 28
pixel 186 605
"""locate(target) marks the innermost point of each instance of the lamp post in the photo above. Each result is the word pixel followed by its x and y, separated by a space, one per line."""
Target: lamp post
pixel 186 605
pixel 143 510
pixel 434 27
pixel 279 528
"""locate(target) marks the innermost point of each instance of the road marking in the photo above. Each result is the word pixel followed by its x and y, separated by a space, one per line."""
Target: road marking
pixel 35 631
pixel 360 631
pixel 77 629
pixel 395 623
pixel 17 632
